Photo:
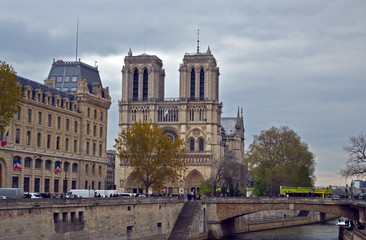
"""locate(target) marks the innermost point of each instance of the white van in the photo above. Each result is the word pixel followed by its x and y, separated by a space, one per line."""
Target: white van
pixel 81 193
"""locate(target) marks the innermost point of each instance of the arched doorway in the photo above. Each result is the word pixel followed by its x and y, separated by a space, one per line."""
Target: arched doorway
pixel 193 181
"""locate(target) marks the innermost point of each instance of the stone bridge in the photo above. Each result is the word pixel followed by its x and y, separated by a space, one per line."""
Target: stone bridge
pixel 221 212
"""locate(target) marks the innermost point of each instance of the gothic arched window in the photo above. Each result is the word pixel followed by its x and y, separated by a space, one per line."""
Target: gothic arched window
pixel 201 144
pixel 145 85
pixel 193 83
pixel 202 84
pixel 191 145
pixel 135 85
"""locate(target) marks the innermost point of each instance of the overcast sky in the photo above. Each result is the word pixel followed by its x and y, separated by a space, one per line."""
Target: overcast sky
pixel 292 63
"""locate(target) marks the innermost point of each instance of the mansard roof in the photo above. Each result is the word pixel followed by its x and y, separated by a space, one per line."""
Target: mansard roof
pixel 64 71
pixel 46 89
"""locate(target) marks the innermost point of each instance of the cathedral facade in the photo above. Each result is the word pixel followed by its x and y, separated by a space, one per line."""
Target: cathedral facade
pixel 195 116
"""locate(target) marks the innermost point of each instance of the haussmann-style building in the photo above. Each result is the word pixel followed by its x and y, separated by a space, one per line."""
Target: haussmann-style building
pixel 195 116
pixel 58 139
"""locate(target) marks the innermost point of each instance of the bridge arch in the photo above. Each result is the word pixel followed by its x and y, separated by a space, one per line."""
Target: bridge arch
pixel 230 210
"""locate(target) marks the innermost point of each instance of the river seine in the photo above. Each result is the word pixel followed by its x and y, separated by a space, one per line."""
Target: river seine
pixel 325 231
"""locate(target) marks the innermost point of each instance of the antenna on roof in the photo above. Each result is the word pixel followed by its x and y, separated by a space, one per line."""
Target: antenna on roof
pixel 198 41
pixel 77 38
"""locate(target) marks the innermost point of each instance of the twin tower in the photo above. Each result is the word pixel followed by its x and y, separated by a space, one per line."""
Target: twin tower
pixel 195 116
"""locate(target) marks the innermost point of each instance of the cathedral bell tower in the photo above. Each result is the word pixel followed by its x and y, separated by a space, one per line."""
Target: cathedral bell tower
pixel 199 77
pixel 142 78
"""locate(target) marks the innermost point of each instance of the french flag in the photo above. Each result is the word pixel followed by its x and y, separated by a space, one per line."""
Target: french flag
pixel 3 143
pixel 17 165
pixel 57 168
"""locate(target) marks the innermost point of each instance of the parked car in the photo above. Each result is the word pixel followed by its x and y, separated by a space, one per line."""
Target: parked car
pixel 335 197
pixel 72 196
pixel 32 195
pixel 361 196
pixel 48 195
pixel 2 197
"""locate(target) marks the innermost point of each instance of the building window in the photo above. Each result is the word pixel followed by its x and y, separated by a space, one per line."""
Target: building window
pixel 74 79
pixel 86 185
pixel 145 85
pixel 193 83
pixel 29 115
pixel 49 120
pixel 26 184
pixel 66 144
pixel 58 143
pixel 38 163
pixel 59 79
pixel 92 185
pixel 201 144
pixel 100 150
pixel 101 116
pixel 73 184
pixel 202 84
pixel 76 126
pixel 88 112
pixel 191 145
pixel 87 147
pixel 67 79
pixel 28 139
pixel 59 122
pixel 48 165
pixel 95 130
pixel 94 149
pixel 37 183
pixel 66 167
pixel 74 167
pixel 93 171
pixel 101 132
pixel 27 162
pixel 95 113
pixel 48 141
pixel 18 113
pixel 17 136
pixel 135 85
pixel 56 186
pixel 40 118
pixel 75 146
pixel 15 182
pixel 39 136
pixel 67 124
pixel 47 185
pixel 87 128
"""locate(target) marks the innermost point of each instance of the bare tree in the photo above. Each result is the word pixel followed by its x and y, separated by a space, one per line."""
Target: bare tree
pixel 228 172
pixel 356 162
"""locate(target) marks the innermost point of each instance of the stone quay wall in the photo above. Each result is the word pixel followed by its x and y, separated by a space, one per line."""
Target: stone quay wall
pixel 101 218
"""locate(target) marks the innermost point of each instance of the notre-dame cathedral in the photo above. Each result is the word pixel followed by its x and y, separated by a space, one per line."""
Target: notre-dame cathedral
pixel 195 116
